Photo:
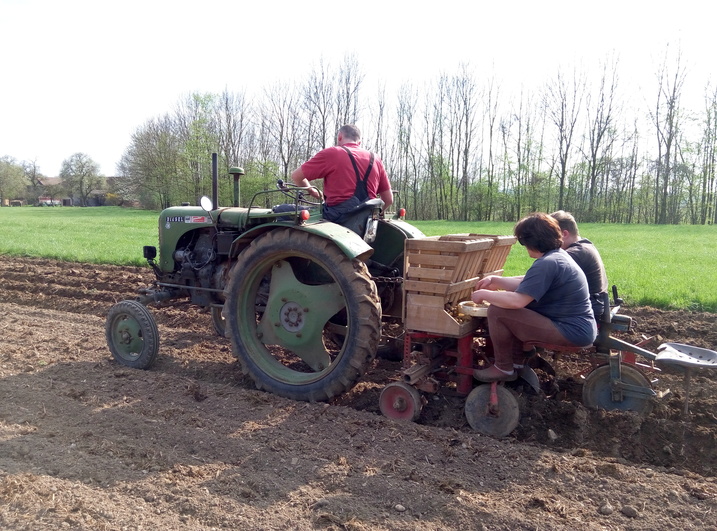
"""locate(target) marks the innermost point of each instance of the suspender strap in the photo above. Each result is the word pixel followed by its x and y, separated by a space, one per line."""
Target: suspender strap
pixel 361 190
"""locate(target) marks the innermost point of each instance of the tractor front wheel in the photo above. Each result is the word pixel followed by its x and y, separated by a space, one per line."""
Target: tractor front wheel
pixel 290 296
pixel 132 334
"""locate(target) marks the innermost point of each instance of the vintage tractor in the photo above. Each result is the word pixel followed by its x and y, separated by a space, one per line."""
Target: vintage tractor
pixel 301 299
pixel 307 303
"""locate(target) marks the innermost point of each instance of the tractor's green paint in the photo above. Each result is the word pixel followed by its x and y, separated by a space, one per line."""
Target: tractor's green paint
pixel 390 238
pixel 174 223
pixel 350 243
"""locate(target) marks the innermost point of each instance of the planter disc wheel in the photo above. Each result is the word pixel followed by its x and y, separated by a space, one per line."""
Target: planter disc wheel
pixel 132 334
pixel 220 325
pixel 304 320
pixel 598 394
pixel 495 422
pixel 400 401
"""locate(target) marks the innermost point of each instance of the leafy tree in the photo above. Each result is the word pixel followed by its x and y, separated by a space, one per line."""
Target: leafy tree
pixel 12 179
pixel 80 176
pixel 195 124
pixel 150 165
pixel 54 191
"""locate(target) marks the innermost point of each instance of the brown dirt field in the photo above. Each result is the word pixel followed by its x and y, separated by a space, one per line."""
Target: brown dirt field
pixel 86 443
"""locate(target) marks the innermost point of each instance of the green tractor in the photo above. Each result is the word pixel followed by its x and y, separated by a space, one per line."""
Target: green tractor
pixel 301 299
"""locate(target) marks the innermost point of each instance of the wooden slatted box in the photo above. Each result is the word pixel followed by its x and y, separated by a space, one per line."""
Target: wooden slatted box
pixel 440 272
pixel 495 261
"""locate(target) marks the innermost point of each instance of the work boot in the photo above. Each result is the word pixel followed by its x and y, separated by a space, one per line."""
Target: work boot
pixel 494 374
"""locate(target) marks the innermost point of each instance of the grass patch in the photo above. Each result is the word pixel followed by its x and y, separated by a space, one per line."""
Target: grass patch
pixel 98 235
pixel 664 266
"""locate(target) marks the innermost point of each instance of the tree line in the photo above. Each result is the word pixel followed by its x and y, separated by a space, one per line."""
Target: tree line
pixel 79 180
pixel 459 147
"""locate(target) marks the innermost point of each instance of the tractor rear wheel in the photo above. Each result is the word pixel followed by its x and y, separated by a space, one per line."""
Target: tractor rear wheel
pixel 132 334
pixel 290 295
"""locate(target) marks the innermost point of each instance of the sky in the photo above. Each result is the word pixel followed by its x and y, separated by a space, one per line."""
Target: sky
pixel 82 76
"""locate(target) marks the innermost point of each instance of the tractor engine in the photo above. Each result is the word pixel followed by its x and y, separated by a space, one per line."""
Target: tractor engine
pixel 196 264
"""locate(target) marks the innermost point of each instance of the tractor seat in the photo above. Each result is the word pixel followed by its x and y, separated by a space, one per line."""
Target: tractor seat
pixel 554 348
pixel 686 356
pixel 356 219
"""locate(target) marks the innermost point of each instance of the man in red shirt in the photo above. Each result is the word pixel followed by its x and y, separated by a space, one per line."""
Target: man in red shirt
pixel 351 175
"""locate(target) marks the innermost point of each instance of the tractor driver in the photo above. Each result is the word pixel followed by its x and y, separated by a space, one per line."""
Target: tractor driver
pixel 351 175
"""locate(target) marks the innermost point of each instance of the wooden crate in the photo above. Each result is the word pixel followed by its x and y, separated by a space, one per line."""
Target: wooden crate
pixel 440 272
pixel 498 253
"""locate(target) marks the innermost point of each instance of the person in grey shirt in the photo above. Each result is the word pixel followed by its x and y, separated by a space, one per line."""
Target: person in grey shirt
pixel 549 304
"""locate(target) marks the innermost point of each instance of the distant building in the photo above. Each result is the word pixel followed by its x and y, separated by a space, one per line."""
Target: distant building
pixel 49 201
pixel 53 193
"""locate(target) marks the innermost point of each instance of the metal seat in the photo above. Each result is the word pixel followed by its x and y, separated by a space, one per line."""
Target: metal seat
pixel 686 355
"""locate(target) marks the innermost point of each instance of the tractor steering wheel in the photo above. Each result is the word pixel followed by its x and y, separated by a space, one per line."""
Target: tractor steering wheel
pixel 297 193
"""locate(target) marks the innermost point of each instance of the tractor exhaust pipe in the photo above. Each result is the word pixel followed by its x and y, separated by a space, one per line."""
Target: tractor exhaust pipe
pixel 215 182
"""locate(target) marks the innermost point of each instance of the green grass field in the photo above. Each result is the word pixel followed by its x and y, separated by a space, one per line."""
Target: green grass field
pixel 671 267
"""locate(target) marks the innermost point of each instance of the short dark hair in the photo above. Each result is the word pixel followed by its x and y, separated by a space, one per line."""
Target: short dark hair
pixel 566 221
pixel 350 132
pixel 539 231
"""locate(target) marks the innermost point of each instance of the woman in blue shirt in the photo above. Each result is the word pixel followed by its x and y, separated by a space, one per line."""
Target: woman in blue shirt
pixel 549 304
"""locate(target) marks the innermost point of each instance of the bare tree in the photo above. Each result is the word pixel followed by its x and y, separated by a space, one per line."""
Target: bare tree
pixel 284 125
pixel 349 81
pixel 34 177
pixel 234 118
pixel 438 177
pixel 708 151
pixel 379 140
pixel 522 131
pixel 563 100
pixel 465 102
pixel 321 103
pixel 485 203
pixel 601 131
pixel 403 165
pixel 667 120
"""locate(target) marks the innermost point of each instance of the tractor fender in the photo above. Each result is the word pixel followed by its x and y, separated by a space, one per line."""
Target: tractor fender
pixel 406 228
pixel 350 243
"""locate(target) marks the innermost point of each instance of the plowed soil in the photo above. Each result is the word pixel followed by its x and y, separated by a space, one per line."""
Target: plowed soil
pixel 86 443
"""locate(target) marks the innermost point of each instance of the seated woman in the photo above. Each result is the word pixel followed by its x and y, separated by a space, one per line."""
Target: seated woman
pixel 549 304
